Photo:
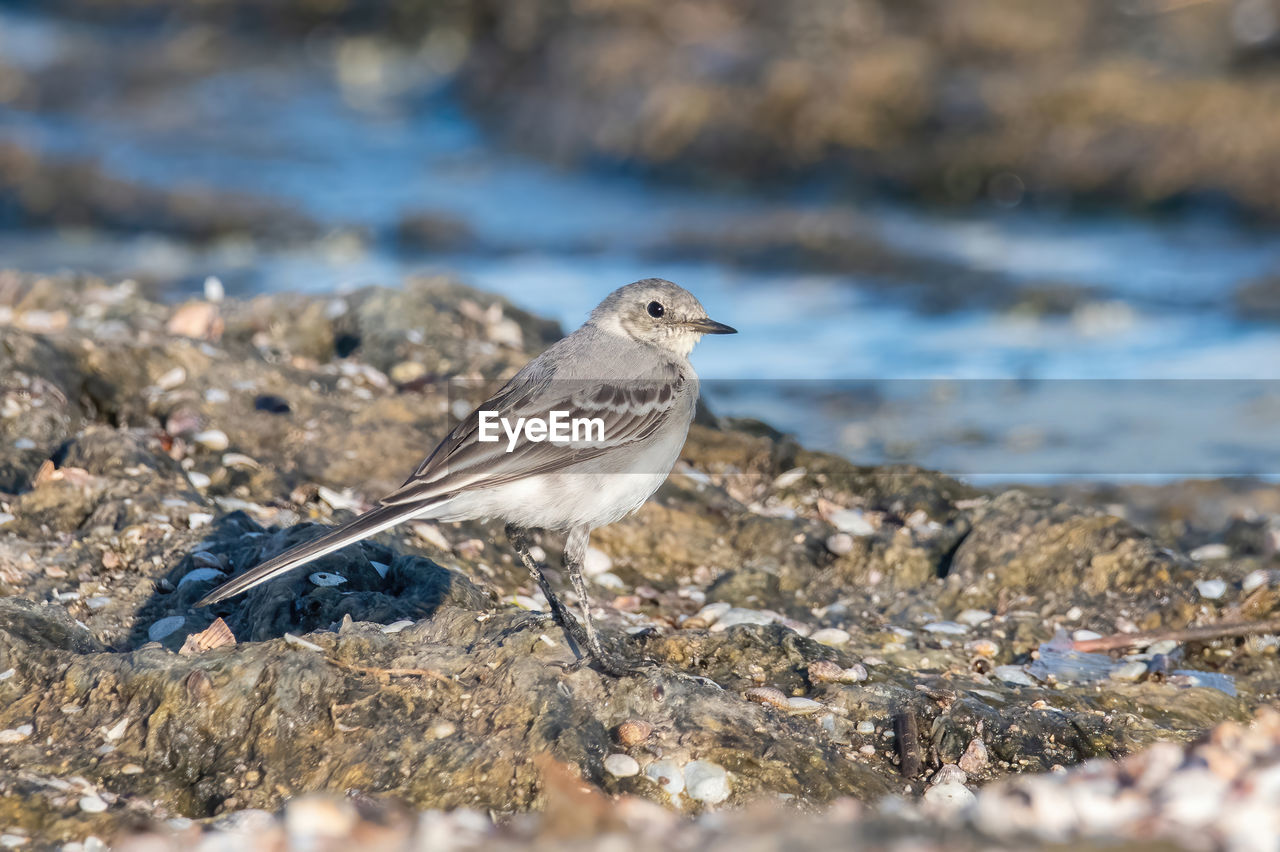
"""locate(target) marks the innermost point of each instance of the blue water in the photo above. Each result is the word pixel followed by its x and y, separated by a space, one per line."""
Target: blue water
pixel 294 127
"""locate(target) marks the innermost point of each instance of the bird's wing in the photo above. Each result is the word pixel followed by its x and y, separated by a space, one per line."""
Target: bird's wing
pixel 631 410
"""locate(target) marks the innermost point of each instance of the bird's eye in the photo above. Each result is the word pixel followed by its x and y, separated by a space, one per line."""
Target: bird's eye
pixel 656 310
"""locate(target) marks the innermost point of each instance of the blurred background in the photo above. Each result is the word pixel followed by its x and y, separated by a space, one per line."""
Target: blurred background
pixel 1010 240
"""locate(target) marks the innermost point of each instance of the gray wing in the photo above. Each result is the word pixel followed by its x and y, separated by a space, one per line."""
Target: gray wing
pixel 632 410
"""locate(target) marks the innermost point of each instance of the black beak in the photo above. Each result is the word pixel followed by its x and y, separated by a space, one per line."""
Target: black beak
pixel 710 326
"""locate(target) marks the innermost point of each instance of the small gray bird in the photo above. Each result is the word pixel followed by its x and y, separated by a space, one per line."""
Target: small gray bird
pixel 627 367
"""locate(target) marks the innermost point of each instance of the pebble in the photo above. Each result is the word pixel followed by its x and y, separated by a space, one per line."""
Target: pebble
pixel 1013 674
pixel 789 477
pixel 13 841
pixel 621 765
pixel 196 520
pixel 1164 646
pixel 706 782
pixel 596 562
pixel 212 439
pixel 840 543
pixel 92 804
pixel 397 626
pixel 865 728
pixel 831 636
pixel 740 615
pixel 950 628
pixel 667 774
pixel 1129 671
pixel 1211 589
pixel 199 480
pixel 983 647
pixel 851 521
pixel 1084 635
pixel 1205 552
pixel 200 575
pixel 974 617
pixel 7 673
pixel 324 578
pixel 171 379
pixel 317 816
pixel 164 627
pixel 16 735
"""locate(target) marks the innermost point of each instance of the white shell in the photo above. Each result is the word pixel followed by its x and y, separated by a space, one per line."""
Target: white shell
pixel 324 578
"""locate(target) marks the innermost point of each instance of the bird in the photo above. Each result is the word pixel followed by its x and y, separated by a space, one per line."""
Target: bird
pixel 626 368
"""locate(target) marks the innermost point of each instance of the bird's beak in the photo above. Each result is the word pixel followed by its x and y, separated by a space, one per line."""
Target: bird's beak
pixel 710 326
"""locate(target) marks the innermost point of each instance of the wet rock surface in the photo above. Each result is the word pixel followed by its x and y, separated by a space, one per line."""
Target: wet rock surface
pixel 814 631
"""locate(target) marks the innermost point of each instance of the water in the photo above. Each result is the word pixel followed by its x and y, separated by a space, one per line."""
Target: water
pixel 308 128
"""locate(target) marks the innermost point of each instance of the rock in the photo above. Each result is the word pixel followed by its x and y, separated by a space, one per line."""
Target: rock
pixel 706 782
pixel 621 765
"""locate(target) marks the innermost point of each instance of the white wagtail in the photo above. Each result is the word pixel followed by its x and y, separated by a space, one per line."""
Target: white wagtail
pixel 627 367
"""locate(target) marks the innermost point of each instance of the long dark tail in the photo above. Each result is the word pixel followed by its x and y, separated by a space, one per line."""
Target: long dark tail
pixel 371 522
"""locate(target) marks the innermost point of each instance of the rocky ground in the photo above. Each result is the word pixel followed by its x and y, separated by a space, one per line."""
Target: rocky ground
pixel 816 632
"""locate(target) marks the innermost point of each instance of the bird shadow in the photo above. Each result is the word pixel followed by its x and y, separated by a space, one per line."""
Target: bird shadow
pixel 366 581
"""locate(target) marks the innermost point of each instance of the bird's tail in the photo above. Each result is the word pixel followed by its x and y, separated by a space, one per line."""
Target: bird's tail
pixel 370 523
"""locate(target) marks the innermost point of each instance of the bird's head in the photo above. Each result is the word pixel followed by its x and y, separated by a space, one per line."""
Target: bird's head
pixel 659 313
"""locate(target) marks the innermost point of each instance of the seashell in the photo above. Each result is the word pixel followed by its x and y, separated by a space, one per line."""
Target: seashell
pixel 324 578
pixel 804 706
pixel 667 774
pixel 706 782
pixel 633 732
pixel 215 635
pixel 212 439
pixel 768 695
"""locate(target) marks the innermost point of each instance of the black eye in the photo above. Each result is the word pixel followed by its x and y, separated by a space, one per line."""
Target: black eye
pixel 656 310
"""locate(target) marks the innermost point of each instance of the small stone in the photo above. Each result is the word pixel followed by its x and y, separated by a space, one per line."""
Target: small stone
pixel 983 648
pixel 165 626
pixel 741 615
pixel 633 732
pixel 13 841
pixel 1164 646
pixel 833 636
pixel 1129 671
pixel 324 578
pixel 596 562
pixel 974 617
pixel 1085 635
pixel 15 735
pixel 1206 552
pixel 706 781
pixel 317 816
pixel 196 520
pixel 951 628
pixel 840 543
pixel 851 521
pixel 212 439
pixel 397 626
pixel 621 765
pixel 92 804
pixel 1211 589
pixel 172 379
pixel 131 769
pixel 667 774
pixel 1013 674
pixel 865 728
pixel 201 575
pixel 198 479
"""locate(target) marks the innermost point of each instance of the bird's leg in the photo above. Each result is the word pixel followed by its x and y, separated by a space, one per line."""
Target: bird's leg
pixel 519 539
pixel 575 551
